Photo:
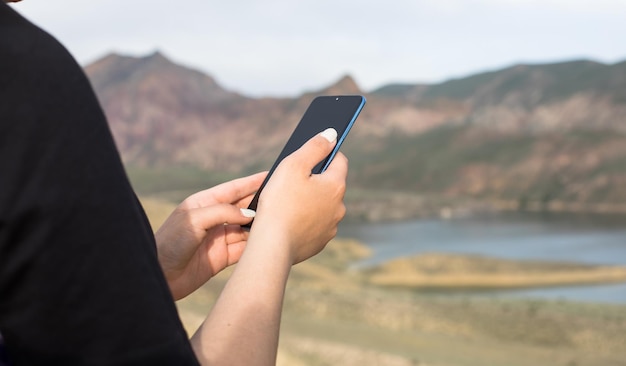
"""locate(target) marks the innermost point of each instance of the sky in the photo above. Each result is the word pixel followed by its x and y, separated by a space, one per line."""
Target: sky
pixel 286 47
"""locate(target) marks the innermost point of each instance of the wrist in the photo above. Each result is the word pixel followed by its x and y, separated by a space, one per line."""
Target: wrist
pixel 273 241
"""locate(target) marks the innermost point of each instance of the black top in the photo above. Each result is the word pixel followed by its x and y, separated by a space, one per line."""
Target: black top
pixel 80 283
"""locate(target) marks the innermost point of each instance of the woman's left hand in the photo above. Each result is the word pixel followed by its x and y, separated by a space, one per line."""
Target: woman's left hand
pixel 203 235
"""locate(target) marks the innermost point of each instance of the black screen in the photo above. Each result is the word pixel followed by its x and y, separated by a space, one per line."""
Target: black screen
pixel 324 112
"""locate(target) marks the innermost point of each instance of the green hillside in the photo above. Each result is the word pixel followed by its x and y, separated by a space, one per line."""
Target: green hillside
pixel 394 90
pixel 465 161
pixel 554 81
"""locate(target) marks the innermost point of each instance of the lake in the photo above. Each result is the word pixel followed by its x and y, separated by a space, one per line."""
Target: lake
pixel 553 237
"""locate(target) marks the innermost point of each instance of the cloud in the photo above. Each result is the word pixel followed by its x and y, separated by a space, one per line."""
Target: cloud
pixel 284 47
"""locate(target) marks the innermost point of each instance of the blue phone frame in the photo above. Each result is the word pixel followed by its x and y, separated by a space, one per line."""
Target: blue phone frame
pixel 345 133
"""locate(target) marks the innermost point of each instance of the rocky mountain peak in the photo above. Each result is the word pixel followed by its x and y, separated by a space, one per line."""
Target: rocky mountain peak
pixel 344 86
pixel 157 56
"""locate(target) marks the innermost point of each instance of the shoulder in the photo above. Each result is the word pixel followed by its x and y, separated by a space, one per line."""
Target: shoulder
pixel 51 122
pixel 45 91
pixel 26 48
pixel 32 61
pixel 39 76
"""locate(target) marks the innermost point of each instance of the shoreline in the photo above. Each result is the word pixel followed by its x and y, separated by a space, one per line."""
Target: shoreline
pixel 453 273
pixel 365 206
pixel 562 207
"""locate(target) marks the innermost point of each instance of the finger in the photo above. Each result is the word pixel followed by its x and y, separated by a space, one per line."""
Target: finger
pixel 205 218
pixel 234 233
pixel 244 202
pixel 338 168
pixel 314 150
pixel 235 250
pixel 229 192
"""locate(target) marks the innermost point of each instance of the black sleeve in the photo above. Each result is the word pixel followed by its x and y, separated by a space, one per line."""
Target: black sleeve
pixel 80 282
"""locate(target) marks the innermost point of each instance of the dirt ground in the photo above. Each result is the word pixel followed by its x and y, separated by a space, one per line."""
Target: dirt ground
pixel 336 315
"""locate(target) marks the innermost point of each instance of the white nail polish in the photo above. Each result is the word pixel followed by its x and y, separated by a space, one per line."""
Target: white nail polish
pixel 247 212
pixel 329 134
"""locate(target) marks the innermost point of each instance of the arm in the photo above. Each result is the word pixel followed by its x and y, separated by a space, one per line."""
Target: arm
pixel 242 328
pixel 297 215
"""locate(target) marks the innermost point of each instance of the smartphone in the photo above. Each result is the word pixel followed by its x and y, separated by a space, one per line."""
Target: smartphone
pixel 337 111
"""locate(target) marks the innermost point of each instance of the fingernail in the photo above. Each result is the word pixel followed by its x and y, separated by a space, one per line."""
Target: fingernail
pixel 329 134
pixel 247 212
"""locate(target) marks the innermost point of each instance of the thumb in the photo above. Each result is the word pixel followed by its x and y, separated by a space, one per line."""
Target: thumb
pixel 316 149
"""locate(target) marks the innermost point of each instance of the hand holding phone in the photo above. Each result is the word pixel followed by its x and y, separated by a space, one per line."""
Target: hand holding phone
pixel 300 211
pixel 337 112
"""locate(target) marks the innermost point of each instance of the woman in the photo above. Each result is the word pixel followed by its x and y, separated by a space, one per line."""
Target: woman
pixel 80 280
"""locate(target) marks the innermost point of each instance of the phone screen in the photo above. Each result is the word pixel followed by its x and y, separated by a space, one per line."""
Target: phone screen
pixel 338 112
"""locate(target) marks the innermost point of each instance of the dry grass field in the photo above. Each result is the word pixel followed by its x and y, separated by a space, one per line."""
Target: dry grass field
pixel 390 315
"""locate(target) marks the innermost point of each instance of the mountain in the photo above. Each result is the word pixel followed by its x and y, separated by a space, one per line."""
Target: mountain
pixel 542 134
pixel 580 93
pixel 162 113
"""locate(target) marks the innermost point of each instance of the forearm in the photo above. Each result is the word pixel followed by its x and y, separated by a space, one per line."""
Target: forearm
pixel 243 326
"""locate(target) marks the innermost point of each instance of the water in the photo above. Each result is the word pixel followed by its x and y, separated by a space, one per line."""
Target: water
pixel 571 238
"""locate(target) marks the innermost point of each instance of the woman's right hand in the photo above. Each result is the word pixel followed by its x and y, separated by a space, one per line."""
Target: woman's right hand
pixel 297 214
pixel 304 209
